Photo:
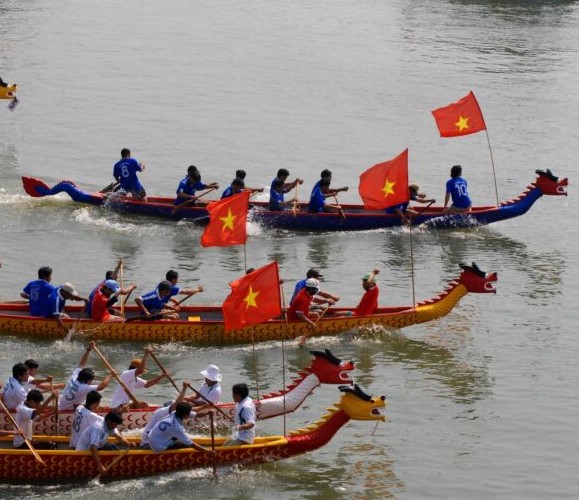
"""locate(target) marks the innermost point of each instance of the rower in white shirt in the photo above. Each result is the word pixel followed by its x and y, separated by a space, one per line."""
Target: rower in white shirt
pixel 16 388
pixel 95 436
pixel 80 384
pixel 169 433
pixel 84 416
pixel 211 388
pixel 133 381
pixel 28 412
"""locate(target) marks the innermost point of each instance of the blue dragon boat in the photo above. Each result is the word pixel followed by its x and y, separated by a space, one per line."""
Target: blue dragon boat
pixel 349 218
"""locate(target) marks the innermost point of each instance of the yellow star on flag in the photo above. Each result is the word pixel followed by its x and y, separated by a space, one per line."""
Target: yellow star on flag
pixel 228 220
pixel 388 188
pixel 250 298
pixel 462 123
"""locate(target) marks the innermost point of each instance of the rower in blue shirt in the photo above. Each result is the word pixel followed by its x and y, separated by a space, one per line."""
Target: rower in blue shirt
pixel 190 184
pixel 154 304
pixel 38 291
pixel 276 199
pixel 125 172
pixel 456 187
pixel 284 187
pixel 57 301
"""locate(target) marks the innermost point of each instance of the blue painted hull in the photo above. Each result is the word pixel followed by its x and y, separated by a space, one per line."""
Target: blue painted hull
pixel 353 217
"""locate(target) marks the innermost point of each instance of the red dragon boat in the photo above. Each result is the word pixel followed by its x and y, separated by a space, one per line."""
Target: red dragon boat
pixel 65 464
pixel 205 326
pixel 324 369
pixel 350 218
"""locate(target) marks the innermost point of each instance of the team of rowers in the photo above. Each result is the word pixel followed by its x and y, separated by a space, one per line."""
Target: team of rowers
pixel 48 301
pixel 23 394
pixel 125 174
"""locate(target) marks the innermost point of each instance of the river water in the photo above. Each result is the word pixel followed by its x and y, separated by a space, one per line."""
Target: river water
pixel 483 402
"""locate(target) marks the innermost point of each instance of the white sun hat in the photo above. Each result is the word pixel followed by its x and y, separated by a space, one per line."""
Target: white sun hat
pixel 212 373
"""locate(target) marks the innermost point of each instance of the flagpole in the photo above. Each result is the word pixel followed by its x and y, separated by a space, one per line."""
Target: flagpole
pixel 412 268
pixel 255 362
pixel 493 164
pixel 252 332
pixel 283 332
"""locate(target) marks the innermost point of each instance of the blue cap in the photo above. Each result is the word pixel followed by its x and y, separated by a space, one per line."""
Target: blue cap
pixel 112 285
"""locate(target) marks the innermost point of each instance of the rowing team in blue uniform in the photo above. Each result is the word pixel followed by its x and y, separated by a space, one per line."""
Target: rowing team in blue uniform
pixel 48 301
pixel 125 173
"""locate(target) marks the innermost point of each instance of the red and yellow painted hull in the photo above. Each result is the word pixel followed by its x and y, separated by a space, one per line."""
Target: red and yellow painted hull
pixel 70 464
pixel 198 326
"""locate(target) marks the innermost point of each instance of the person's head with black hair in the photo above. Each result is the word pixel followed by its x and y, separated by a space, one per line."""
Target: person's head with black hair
pixel 93 399
pixel 240 392
pixel 183 410
pixel 34 398
pixel 20 372
pixel 172 276
pixel 32 366
pixel 240 174
pixel 112 419
pixel 45 273
pixel 456 171
pixel 85 376
pixel 283 174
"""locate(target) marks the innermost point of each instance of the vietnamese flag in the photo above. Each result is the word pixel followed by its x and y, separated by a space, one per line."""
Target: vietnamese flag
pixel 254 298
pixel 385 184
pixel 227 220
pixel 462 117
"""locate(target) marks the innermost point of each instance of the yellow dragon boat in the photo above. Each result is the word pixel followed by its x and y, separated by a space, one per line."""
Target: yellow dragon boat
pixel 204 325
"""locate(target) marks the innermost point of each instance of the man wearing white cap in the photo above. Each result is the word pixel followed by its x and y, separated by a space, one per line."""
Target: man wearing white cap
pixel 211 388
pixel 57 301
pixel 101 302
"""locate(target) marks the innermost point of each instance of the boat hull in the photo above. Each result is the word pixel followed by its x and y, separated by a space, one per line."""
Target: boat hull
pixel 351 217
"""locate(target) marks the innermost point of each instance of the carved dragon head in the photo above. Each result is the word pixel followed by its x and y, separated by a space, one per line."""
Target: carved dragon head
pixel 360 406
pixel 477 281
pixel 329 369
pixel 550 184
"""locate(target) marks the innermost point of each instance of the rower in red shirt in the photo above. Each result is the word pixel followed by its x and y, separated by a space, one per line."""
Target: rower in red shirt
pixel 102 301
pixel 369 302
pixel 299 309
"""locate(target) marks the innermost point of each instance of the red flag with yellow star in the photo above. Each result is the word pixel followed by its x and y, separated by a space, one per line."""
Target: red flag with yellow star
pixel 385 184
pixel 255 298
pixel 462 117
pixel 227 220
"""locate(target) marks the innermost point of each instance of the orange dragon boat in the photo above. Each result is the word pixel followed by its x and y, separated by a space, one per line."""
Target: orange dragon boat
pixel 324 369
pixel 60 465
pixel 205 326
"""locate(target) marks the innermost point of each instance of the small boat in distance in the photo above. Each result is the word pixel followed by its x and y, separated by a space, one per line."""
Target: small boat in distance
pixel 350 217
pixel 204 325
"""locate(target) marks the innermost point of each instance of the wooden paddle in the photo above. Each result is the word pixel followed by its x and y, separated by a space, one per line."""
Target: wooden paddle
pixel 136 402
pixel 26 440
pixel 55 408
pixel 338 207
pixel 213 443
pixel 115 461
pixel 314 326
pixel 111 187
pixel 424 209
pixel 295 205
pixel 176 208
pixel 162 368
